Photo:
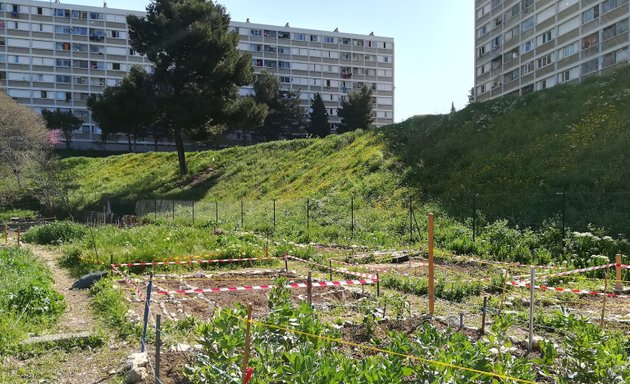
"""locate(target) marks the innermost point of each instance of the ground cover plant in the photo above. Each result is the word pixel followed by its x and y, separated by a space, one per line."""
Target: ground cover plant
pixel 28 302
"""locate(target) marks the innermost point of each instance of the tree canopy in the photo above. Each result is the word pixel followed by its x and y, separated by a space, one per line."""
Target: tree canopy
pixel 318 125
pixel 65 122
pixel 128 108
pixel 356 111
pixel 198 67
pixel 285 113
pixel 24 141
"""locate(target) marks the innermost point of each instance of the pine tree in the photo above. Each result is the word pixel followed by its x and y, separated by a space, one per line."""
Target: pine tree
pixel 356 112
pixel 318 125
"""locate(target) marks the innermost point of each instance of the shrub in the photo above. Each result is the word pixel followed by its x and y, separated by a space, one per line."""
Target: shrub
pixel 37 300
pixel 57 232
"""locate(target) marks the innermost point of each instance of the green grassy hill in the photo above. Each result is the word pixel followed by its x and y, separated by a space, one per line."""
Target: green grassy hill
pixel 516 153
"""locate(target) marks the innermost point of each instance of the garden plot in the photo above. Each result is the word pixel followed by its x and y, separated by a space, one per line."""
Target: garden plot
pixel 178 296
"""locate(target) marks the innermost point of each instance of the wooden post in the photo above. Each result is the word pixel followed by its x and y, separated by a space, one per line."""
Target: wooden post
pixel 618 282
pixel 308 214
pixel 431 268
pixel 18 236
pixel 193 212
pixel 461 321
pixel 158 346
pixel 483 315
pixel 504 288
pixel 173 219
pixel 601 321
pixel 378 285
pixel 530 341
pixel 6 233
pixel 155 209
pixel 216 214
pixel 247 341
pixel 274 214
pixel 410 221
pixel 352 216
pixel 330 268
pixel 242 216
pixel 474 217
pixel 309 289
pixel 286 263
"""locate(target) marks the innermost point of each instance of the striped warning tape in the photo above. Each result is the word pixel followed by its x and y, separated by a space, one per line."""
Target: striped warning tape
pixel 342 271
pixel 171 262
pixel 572 272
pixel 266 287
pixel 518 283
pixel 501 263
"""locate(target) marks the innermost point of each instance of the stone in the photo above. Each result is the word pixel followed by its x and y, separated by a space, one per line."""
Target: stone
pixel 181 347
pixel 136 375
pixel 137 359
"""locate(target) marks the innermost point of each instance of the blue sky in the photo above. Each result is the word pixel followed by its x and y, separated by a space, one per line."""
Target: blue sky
pixel 434 63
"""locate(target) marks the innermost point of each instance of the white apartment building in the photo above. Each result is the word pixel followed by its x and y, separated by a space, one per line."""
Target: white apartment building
pixel 54 55
pixel 527 45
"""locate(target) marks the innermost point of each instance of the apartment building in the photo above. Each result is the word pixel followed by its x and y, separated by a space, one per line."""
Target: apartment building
pixel 54 55
pixel 528 45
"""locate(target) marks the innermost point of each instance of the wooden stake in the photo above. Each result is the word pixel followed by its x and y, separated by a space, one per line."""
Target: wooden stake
pixel 18 236
pixel 618 283
pixel 431 268
pixel 530 341
pixel 378 285
pixel 483 315
pixel 330 268
pixel 504 288
pixel 6 233
pixel 286 263
pixel 309 289
pixel 247 341
pixel 601 321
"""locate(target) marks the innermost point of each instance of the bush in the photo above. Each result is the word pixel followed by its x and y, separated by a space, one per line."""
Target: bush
pixel 57 232
pixel 37 300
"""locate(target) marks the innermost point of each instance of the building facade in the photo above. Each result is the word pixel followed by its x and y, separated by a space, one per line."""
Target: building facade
pixel 55 55
pixel 528 45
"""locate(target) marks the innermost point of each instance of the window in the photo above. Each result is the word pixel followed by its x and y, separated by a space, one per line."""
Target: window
pixel 62 62
pixel 590 66
pixel 96 16
pixel 284 50
pixel 568 25
pixel 590 14
pixel 527 68
pixel 43 94
pixel 482 31
pixel 526 4
pixel 329 40
pixel 544 61
pixel 284 35
pixel 96 49
pixel 481 51
pixel 132 52
pixel 62 29
pixel 564 4
pixel 116 34
pixel 314 38
pixel 512 75
pixel 299 36
pixel 68 96
pixel 62 12
pixel 527 24
pixel 285 79
pixel 40 10
pixel 79 31
pixel 615 29
pixel 511 12
pixel 256 32
pixel 116 66
pixel 345 41
pixel 512 33
pixel 568 50
pixel 269 33
pixel 528 46
pixel 615 57
pixel 257 62
pixel 590 41
pixel 79 14
pixel 609 5
pixel 63 79
pixel 284 65
pixel 546 37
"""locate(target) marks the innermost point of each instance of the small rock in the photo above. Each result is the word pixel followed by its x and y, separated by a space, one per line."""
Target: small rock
pixel 137 359
pixel 181 347
pixel 137 375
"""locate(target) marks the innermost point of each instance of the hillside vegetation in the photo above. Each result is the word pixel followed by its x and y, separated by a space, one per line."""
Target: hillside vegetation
pixel 517 153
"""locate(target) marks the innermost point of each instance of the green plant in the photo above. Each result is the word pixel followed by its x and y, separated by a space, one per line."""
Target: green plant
pixel 57 232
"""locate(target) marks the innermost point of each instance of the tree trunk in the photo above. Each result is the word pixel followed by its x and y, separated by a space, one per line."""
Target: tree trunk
pixel 68 135
pixel 181 155
pixel 155 142
pixel 129 142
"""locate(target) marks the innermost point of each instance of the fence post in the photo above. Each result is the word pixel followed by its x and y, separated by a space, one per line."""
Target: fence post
pixel 146 313
pixel 309 289
pixel 330 268
pixel 242 216
pixel 431 268
pixel 274 215
pixel 378 285
pixel 352 216
pixel 6 233
pixel 193 212
pixel 18 236
pixel 601 321
pixel 618 282
pixel 474 217
pixel 530 341
pixel 173 211
pixel 483 315
pixel 247 341
pixel 410 221
pixel 158 346
pixel 216 214
pixel 308 214
pixel 286 263
pixel 461 321
pixel 155 209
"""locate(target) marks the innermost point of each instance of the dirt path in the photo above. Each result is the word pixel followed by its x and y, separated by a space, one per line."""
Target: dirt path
pixel 77 316
pixel 84 366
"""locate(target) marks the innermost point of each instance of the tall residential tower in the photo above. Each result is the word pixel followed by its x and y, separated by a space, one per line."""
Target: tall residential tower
pixel 54 55
pixel 527 45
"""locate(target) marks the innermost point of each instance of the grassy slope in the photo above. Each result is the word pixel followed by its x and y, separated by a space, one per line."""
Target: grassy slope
pixel 339 165
pixel 516 152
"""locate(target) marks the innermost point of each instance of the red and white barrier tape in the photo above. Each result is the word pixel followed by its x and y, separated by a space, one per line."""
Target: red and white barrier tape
pixel 341 271
pixel 565 273
pixel 558 289
pixel 267 286
pixel 153 263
